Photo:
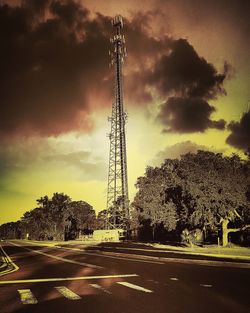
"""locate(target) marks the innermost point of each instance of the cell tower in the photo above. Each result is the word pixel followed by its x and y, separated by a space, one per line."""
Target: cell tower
pixel 117 197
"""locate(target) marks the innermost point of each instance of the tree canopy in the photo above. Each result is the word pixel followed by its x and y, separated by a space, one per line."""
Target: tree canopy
pixel 198 191
pixel 56 218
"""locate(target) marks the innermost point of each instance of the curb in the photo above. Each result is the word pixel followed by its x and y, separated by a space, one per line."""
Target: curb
pixel 230 257
pixel 193 253
pixel 179 260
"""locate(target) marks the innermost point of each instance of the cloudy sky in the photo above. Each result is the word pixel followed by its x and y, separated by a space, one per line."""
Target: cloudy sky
pixel 186 78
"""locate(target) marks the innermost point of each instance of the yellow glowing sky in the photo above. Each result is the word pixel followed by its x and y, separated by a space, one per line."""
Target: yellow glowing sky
pixel 84 178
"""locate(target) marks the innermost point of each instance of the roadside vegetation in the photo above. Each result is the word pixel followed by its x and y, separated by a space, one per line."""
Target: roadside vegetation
pixel 58 218
pixel 199 198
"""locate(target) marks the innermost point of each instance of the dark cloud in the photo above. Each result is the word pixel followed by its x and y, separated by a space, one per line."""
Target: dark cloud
pixel 240 133
pixel 144 49
pixel 187 115
pixel 184 72
pixel 140 39
pixel 54 64
pixel 170 66
pixel 52 57
pixel 189 81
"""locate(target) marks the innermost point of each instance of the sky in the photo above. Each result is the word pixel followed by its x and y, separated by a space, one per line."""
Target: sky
pixel 186 87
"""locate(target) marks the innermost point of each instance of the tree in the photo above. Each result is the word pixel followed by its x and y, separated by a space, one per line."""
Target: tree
pixel 82 217
pixel 51 221
pixel 150 201
pixel 10 230
pixel 203 190
pixel 218 188
pixel 54 218
pixel 34 224
pixel 101 221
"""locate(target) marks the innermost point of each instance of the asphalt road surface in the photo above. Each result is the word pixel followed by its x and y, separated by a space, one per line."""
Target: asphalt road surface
pixel 69 279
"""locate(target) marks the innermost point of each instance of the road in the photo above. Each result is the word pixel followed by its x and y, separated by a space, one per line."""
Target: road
pixel 70 279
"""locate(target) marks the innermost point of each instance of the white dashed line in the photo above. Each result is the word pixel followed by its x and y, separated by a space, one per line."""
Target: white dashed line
pixel 27 296
pixel 67 293
pixel 206 285
pixel 174 278
pixel 136 287
pixel 100 288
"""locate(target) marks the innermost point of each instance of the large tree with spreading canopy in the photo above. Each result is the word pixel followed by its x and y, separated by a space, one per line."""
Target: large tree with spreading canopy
pixel 204 190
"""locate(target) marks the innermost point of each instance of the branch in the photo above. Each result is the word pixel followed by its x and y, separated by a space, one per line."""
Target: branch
pixel 233 230
pixel 237 214
pixel 245 227
pixel 221 220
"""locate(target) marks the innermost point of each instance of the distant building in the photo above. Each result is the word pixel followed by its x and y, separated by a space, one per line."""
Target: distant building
pixel 108 234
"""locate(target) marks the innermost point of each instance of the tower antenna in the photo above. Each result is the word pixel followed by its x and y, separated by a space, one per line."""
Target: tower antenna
pixel 117 195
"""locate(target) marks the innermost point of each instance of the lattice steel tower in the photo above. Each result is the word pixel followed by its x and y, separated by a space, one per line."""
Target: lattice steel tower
pixel 117 197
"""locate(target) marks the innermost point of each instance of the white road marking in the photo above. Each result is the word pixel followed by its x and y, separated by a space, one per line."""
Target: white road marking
pixel 100 288
pixel 44 280
pixel 27 296
pixel 67 293
pixel 57 257
pixel 206 285
pixel 129 285
pixel 10 269
pixel 173 278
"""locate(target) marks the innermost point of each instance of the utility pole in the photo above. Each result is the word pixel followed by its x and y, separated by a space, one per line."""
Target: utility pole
pixel 117 196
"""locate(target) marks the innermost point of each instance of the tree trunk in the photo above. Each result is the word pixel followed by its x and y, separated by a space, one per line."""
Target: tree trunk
pixel 153 232
pixel 225 232
pixel 204 233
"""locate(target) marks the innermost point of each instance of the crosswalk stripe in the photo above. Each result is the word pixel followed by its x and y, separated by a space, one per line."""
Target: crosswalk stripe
pixel 100 288
pixel 27 296
pixel 129 285
pixel 67 293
